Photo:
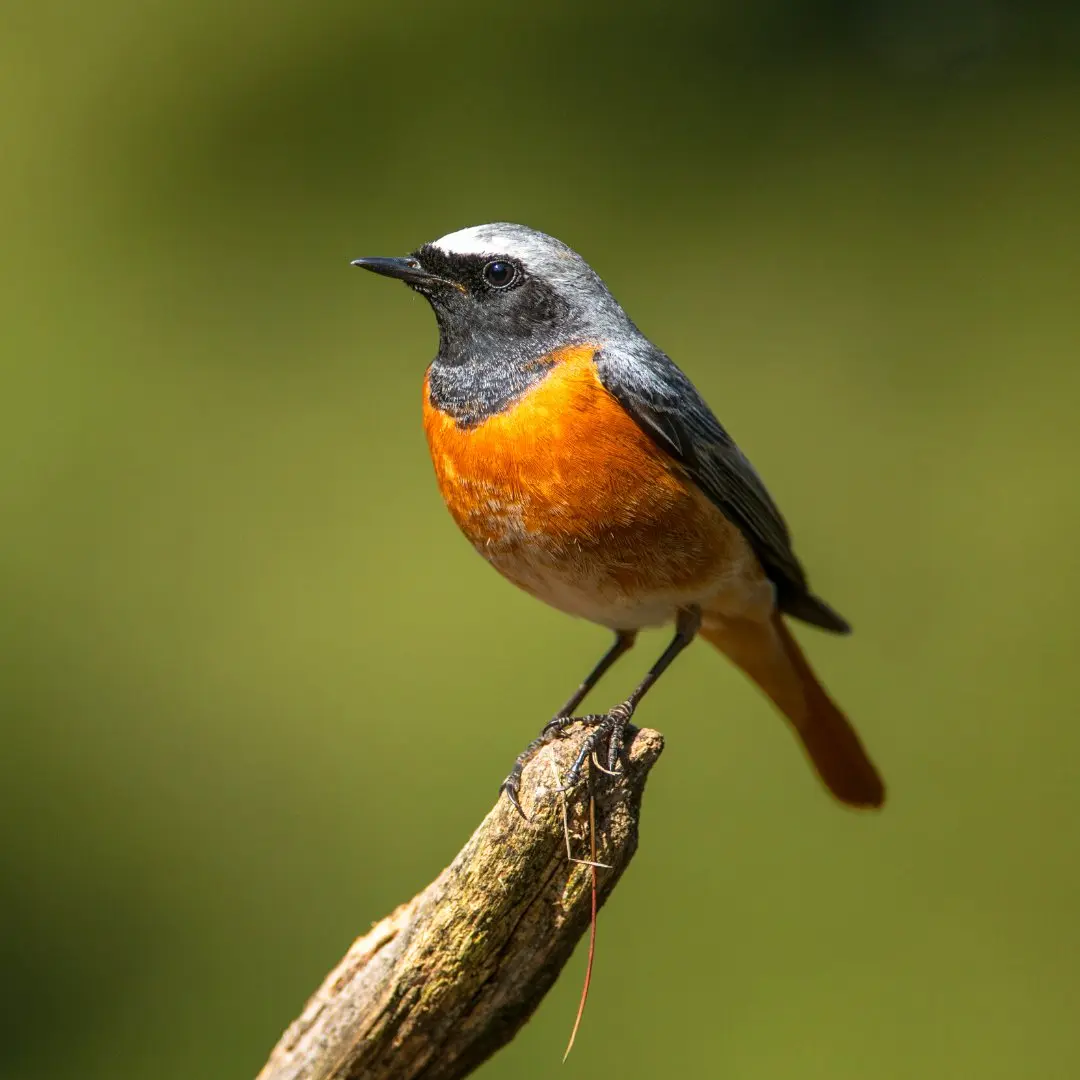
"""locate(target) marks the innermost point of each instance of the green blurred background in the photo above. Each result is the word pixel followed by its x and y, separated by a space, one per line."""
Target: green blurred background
pixel 256 690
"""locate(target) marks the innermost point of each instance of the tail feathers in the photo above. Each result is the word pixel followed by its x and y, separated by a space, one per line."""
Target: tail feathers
pixel 769 654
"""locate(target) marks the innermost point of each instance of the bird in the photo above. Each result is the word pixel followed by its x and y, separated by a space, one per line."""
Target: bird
pixel 584 465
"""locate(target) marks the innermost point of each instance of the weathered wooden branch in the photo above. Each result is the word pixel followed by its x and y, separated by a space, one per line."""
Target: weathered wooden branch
pixel 439 985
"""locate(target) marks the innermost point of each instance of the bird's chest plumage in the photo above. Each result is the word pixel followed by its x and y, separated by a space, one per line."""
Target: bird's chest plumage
pixel 568 498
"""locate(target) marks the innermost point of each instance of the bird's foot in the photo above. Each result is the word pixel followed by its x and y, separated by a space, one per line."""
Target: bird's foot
pixel 512 784
pixel 610 726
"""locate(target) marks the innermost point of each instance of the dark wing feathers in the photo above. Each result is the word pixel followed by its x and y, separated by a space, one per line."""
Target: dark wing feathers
pixel 665 404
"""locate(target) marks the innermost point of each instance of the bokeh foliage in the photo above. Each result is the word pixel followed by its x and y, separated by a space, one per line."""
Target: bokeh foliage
pixel 255 689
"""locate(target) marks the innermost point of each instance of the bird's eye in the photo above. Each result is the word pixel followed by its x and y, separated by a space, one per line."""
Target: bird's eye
pixel 499 274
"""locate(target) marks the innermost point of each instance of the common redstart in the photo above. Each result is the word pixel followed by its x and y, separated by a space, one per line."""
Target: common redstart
pixel 588 470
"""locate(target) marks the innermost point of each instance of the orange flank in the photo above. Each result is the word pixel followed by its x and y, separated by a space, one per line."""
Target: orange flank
pixel 565 478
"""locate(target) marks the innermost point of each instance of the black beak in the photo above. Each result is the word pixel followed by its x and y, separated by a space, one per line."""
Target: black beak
pixel 408 270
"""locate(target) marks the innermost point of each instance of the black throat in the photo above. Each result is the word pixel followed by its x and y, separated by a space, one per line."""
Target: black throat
pixel 486 379
pixel 492 348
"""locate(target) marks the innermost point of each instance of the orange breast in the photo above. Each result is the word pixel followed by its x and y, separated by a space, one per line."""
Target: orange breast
pixel 564 493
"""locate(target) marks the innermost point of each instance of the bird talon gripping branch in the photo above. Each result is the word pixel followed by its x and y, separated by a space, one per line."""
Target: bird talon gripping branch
pixel 511 787
pixel 610 726
pixel 552 730
pixel 584 465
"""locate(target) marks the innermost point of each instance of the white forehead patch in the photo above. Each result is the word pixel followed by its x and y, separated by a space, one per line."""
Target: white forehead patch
pixel 476 240
pixel 500 238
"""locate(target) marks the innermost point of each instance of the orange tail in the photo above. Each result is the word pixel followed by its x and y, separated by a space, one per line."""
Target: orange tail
pixel 768 653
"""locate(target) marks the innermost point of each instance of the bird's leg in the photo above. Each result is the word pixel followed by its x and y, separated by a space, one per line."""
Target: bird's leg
pixel 624 639
pixel 612 725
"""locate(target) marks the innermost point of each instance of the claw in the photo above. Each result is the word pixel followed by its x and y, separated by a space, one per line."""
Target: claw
pixel 511 786
pixel 556 726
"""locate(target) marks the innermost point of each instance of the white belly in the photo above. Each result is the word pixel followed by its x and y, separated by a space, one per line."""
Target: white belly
pixel 590 591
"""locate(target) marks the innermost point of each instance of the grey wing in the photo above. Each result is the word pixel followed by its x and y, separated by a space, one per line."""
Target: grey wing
pixel 666 405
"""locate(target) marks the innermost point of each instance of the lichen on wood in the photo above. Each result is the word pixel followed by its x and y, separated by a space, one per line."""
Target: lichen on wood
pixel 436 987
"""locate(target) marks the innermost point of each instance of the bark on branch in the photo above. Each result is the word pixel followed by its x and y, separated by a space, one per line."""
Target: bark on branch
pixel 439 985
